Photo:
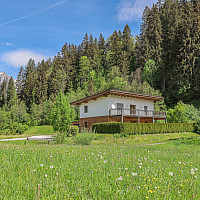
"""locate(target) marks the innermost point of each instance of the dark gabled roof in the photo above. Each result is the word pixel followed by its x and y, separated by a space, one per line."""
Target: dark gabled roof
pixel 117 93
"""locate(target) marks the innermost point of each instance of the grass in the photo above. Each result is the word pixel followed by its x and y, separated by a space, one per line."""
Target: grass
pixel 110 168
pixel 34 130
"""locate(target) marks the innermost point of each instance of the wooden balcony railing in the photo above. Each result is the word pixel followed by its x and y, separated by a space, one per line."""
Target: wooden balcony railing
pixel 136 113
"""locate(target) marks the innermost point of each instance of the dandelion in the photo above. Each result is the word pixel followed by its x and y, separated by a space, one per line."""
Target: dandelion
pixel 51 166
pixel 45 175
pixel 134 174
pixel 170 173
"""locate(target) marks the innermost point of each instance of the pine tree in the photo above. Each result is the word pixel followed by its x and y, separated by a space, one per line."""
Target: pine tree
pixel 11 93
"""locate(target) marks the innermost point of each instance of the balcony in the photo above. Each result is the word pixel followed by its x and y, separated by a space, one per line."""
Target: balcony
pixel 136 113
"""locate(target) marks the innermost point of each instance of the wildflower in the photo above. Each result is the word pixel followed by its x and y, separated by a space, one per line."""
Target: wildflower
pixel 34 170
pixel 179 162
pixel 105 161
pixel 41 165
pixel 51 166
pixel 79 189
pixel 126 168
pixel 139 166
pixel 45 175
pixel 56 173
pixel 101 157
pixel 196 169
pixel 192 172
pixel 120 178
pixel 195 176
pixel 170 173
pixel 134 174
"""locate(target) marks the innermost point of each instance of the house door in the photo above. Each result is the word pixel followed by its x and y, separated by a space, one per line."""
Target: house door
pixel 120 107
pixel 132 109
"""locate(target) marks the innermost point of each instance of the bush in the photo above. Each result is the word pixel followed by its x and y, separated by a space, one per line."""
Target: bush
pixel 84 138
pixel 142 128
pixel 74 130
pixel 17 128
pixel 197 127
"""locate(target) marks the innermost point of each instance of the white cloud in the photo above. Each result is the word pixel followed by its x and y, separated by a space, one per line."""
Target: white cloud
pixel 132 10
pixel 21 57
pixel 9 44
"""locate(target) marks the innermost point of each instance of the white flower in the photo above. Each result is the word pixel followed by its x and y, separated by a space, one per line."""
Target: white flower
pixel 101 157
pixel 195 176
pixel 179 162
pixel 134 174
pixel 170 173
pixel 139 166
pixel 56 173
pixel 140 163
pixel 34 170
pixel 51 166
pixel 79 189
pixel 192 172
pixel 196 169
pixel 45 175
pixel 126 168
pixel 120 178
pixel 41 165
pixel 105 161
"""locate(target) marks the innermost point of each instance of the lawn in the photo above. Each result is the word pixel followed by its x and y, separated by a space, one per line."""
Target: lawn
pixel 34 130
pixel 103 170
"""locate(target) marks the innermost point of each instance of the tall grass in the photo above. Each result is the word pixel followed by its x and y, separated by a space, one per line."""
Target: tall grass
pixel 99 172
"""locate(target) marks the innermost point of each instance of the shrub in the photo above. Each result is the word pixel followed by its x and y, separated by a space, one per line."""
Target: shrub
pixel 84 138
pixel 197 127
pixel 17 128
pixel 142 128
pixel 74 130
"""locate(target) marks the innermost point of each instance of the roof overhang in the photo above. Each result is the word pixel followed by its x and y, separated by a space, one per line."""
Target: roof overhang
pixel 117 93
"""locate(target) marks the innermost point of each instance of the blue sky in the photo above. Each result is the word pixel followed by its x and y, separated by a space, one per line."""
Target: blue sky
pixel 40 28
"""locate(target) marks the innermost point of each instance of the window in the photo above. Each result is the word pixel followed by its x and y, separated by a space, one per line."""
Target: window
pixel 85 109
pixel 145 110
pixel 132 110
pixel 120 107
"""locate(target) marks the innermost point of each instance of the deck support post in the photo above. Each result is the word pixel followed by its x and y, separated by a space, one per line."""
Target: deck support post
pixel 153 120
pixel 165 120
pixel 122 117
pixel 138 120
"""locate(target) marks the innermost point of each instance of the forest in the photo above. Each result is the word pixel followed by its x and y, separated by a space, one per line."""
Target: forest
pixel 163 60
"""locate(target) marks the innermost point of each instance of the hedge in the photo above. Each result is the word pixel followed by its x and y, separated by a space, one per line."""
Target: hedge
pixel 141 128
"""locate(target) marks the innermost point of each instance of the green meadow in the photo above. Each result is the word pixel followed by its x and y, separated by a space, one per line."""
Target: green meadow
pixel 109 168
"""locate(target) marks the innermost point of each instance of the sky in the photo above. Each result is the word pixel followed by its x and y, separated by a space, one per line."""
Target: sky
pixel 38 29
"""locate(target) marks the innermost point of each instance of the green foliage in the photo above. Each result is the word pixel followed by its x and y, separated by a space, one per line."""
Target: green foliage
pixel 62 115
pixel 150 73
pixel 197 127
pixel 74 130
pixel 17 128
pixel 141 128
pixel 84 138
pixel 183 113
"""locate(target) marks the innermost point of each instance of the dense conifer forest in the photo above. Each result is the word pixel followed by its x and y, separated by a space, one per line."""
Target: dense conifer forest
pixel 164 60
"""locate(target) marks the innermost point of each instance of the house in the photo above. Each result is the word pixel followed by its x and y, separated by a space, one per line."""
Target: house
pixel 118 106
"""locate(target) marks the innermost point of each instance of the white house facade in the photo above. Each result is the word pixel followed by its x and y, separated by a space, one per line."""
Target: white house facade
pixel 115 106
